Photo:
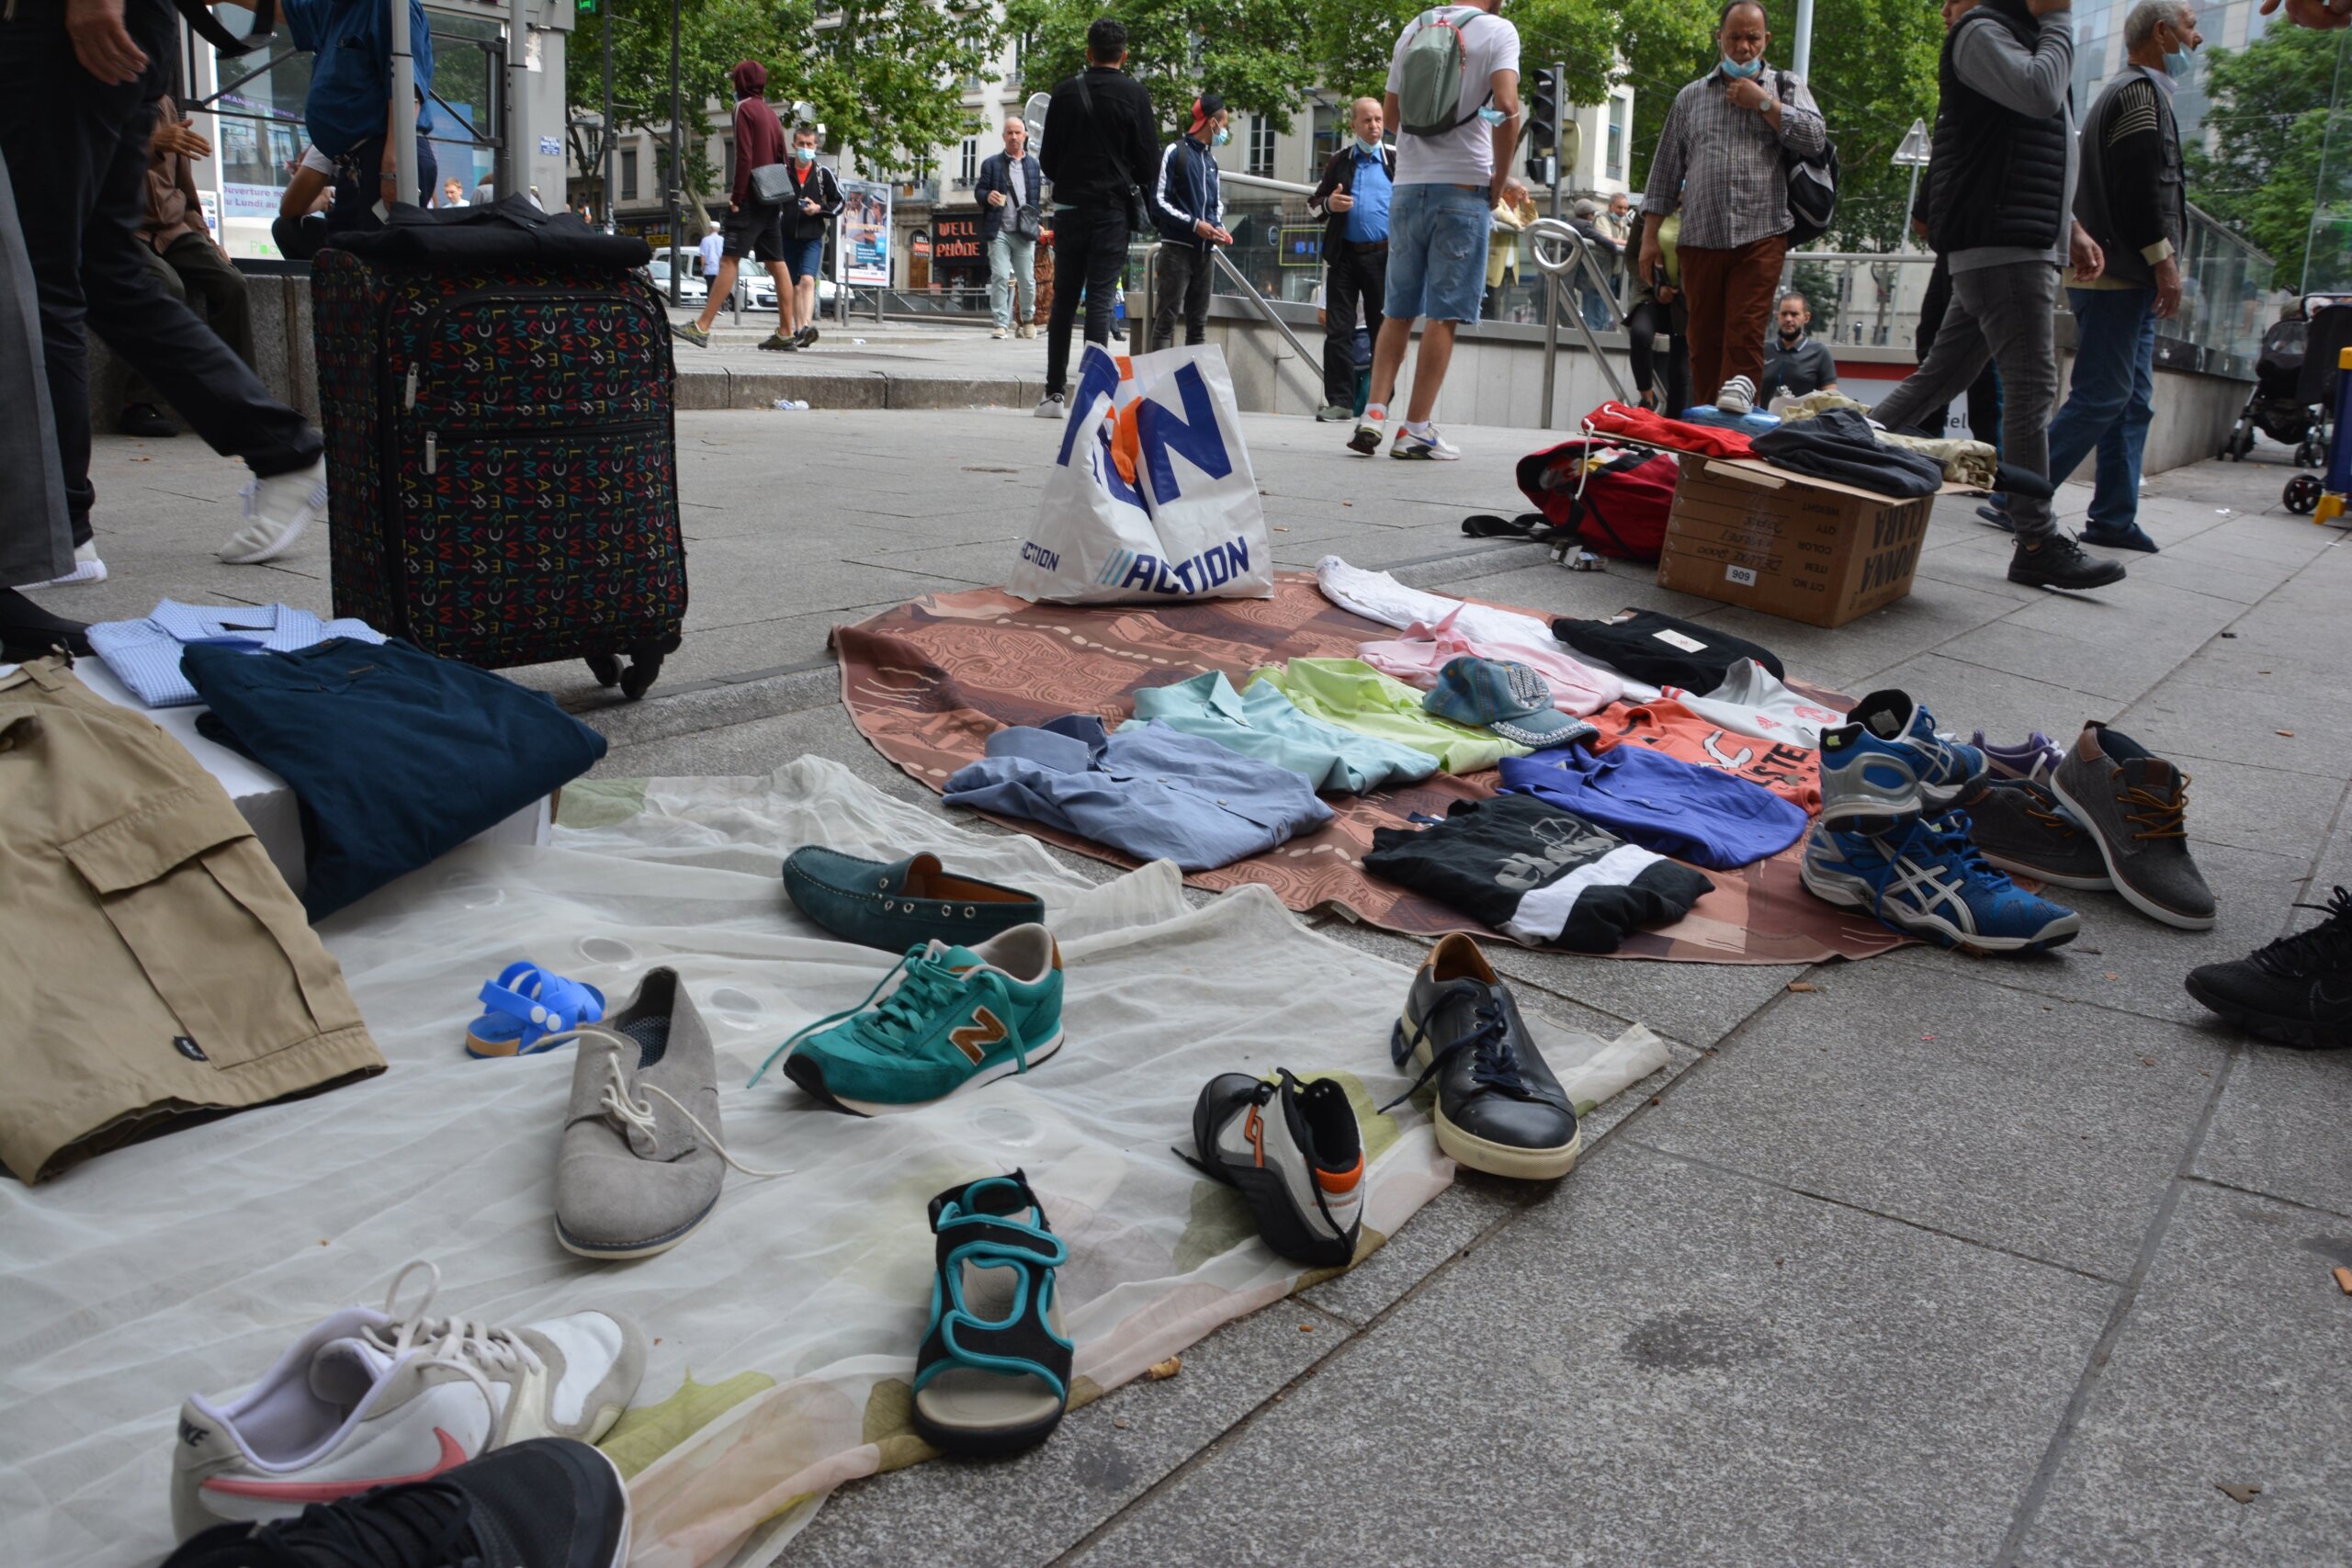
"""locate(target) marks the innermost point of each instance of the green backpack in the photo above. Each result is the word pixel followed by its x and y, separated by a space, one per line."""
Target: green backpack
pixel 1428 95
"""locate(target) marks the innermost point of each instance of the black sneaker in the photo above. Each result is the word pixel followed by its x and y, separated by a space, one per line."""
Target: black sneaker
pixel 1295 1152
pixel 145 419
pixel 2296 991
pixel 545 1502
pixel 2020 827
pixel 806 335
pixel 2059 562
pixel 27 631
pixel 1499 1110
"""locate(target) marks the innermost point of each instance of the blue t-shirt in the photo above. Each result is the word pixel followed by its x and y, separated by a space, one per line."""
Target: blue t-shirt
pixel 351 75
pixel 1368 219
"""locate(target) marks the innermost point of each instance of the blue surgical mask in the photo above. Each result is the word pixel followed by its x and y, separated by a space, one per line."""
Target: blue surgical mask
pixel 1221 138
pixel 2176 63
pixel 804 154
pixel 1491 114
pixel 1372 146
pixel 1733 68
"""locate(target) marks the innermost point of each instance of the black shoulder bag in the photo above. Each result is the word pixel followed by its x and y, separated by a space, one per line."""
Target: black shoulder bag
pixel 1138 218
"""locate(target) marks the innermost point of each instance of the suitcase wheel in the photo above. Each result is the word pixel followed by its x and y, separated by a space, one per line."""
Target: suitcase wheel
pixel 644 668
pixel 606 668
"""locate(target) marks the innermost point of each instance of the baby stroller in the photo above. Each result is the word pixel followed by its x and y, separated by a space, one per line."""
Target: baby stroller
pixel 2323 346
pixel 2293 384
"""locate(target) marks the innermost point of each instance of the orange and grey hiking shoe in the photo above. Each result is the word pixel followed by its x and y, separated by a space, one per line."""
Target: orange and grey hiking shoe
pixel 1293 1150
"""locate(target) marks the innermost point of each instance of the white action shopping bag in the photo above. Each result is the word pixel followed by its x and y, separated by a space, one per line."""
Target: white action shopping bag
pixel 1152 498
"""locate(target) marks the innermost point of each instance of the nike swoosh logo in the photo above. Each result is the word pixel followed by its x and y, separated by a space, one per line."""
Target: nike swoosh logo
pixel 453 1454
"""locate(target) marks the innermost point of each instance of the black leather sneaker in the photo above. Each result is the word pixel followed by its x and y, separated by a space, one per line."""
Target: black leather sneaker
pixel 2296 991
pixel 1499 1110
pixel 1293 1151
pixel 2058 562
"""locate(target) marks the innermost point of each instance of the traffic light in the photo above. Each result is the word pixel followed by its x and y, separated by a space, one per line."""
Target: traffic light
pixel 1543 126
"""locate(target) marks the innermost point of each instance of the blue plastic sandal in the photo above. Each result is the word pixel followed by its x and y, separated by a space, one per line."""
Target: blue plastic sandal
pixel 527 1004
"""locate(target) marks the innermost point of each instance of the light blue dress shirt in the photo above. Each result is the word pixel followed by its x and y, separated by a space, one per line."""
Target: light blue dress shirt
pixel 145 655
pixel 1368 219
pixel 1262 723
pixel 1153 793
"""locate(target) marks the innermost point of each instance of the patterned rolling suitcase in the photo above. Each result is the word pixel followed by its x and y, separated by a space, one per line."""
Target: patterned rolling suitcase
pixel 501 460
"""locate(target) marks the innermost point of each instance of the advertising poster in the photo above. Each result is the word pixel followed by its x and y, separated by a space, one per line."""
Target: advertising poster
pixel 866 233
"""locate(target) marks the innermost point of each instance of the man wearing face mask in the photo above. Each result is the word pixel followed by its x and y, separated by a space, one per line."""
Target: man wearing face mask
pixel 1352 200
pixel 1999 212
pixel 1718 163
pixel 2131 200
pixel 809 214
pixel 1188 208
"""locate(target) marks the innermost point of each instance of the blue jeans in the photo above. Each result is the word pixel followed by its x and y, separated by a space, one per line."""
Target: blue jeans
pixel 1437 252
pixel 1013 279
pixel 2108 404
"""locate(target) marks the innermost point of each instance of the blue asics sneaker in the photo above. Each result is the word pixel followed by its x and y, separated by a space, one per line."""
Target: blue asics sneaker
pixel 947 1018
pixel 1926 878
pixel 1888 760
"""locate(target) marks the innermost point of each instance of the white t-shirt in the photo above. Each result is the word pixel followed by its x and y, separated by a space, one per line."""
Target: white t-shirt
pixel 1751 703
pixel 1464 155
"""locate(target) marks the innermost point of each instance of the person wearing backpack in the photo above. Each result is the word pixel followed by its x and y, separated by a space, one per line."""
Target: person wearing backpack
pixel 1454 97
pixel 1099 142
pixel 1721 162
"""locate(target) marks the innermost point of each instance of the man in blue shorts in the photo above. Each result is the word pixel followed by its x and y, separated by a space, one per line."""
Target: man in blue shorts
pixel 1453 167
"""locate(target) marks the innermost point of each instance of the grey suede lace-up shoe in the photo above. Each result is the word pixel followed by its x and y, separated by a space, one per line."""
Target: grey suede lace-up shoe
pixel 641 1161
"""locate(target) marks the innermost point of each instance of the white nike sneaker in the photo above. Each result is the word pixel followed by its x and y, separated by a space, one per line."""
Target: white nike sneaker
pixel 370 1399
pixel 277 511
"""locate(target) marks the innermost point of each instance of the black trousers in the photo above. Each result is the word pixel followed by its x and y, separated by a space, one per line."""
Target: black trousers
pixel 1984 392
pixel 1090 250
pixel 1353 280
pixel 1184 288
pixel 77 156
pixel 1648 322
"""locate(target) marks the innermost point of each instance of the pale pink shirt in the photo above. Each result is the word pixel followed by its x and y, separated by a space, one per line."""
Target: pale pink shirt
pixel 1416 656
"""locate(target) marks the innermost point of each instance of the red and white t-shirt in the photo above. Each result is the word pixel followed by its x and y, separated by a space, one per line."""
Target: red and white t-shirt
pixel 1789 770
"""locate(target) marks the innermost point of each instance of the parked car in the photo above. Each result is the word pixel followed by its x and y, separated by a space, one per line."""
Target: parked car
pixel 692 289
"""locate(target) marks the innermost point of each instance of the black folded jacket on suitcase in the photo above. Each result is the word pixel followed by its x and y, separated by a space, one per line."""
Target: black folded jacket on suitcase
pixel 502 456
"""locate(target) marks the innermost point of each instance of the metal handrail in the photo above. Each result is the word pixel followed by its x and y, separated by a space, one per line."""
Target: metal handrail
pixel 1573 255
pixel 1259 182
pixel 1265 308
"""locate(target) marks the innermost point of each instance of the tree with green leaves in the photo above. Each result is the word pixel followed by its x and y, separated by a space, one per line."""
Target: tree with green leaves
pixel 885 77
pixel 2269 115
pixel 1250 52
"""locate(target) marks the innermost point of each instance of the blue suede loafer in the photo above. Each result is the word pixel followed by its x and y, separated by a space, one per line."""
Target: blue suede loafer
pixel 903 903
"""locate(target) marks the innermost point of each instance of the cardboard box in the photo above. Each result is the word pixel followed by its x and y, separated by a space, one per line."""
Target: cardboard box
pixel 1746 533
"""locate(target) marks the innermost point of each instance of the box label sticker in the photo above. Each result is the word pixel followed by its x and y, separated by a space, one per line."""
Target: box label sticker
pixel 1690 644
pixel 1744 576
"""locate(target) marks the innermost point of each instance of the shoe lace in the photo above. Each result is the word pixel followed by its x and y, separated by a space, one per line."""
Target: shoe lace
pixel 2327 945
pixel 2159 814
pixel 464 1344
pixel 925 985
pixel 2058 819
pixel 1494 1062
pixel 637 1115
pixel 391 1526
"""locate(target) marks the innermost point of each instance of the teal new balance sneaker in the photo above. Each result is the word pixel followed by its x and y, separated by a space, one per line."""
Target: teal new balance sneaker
pixel 945 1019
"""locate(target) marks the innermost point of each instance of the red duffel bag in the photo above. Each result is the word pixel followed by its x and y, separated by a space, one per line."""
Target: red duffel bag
pixel 1616 506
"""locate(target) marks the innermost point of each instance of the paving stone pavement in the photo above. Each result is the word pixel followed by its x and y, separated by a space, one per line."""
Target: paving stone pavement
pixel 1945 1260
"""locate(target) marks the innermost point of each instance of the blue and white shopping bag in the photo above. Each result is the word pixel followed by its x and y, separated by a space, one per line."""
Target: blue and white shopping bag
pixel 1151 499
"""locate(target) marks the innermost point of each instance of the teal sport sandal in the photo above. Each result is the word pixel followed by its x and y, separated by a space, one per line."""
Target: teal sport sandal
pixel 993 1374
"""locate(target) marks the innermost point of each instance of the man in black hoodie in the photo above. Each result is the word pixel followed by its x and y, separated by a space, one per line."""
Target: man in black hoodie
pixel 1099 142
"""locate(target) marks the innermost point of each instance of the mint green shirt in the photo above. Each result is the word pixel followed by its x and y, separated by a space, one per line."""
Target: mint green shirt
pixel 1353 695
pixel 1263 724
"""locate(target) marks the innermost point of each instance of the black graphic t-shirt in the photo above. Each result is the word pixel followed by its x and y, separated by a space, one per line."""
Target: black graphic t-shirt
pixel 1540 875
pixel 1663 650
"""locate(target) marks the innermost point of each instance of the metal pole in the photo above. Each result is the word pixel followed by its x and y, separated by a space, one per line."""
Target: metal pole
pixel 516 131
pixel 1803 58
pixel 1909 202
pixel 1551 283
pixel 605 152
pixel 677 171
pixel 403 106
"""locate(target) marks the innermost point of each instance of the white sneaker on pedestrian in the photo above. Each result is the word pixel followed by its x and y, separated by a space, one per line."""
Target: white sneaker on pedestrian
pixel 1028 329
pixel 1052 406
pixel 1424 444
pixel 369 1398
pixel 1000 334
pixel 88 568
pixel 277 511
pixel 1738 396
